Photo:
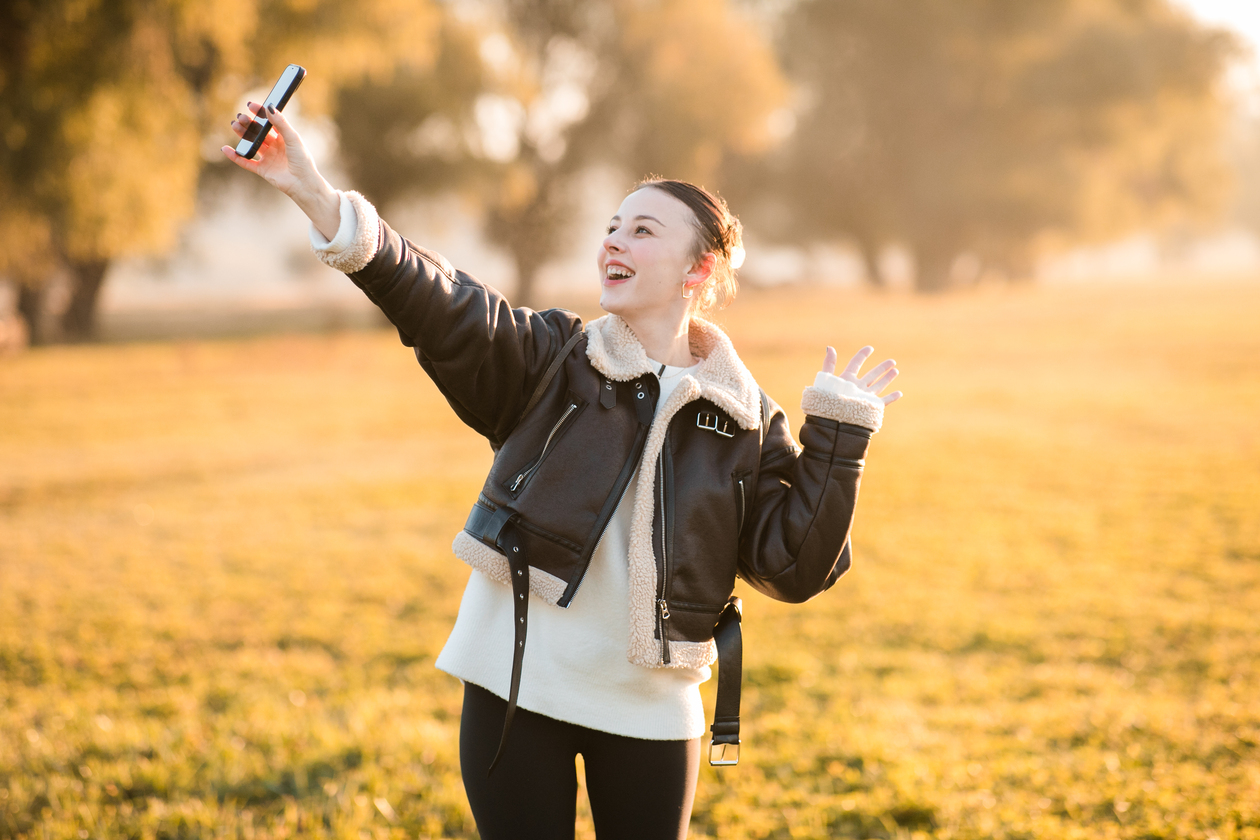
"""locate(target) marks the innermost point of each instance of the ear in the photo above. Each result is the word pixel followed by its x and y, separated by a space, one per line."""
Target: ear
pixel 701 269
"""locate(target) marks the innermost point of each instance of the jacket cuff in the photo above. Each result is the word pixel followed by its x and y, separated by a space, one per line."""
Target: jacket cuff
pixel 354 246
pixel 841 400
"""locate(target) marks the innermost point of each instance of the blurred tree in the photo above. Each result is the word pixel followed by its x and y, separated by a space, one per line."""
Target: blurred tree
pixel 104 105
pixel 989 127
pixel 525 102
pixel 1244 153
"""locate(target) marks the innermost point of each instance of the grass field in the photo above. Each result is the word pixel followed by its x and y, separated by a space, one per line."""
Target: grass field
pixel 225 574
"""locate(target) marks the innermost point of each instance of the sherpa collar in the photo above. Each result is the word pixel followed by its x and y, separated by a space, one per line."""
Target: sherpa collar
pixel 615 351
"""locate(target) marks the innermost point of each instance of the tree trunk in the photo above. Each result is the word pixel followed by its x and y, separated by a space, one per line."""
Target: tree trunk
pixel 526 283
pixel 79 321
pixel 870 261
pixel 932 267
pixel 1019 269
pixel 30 307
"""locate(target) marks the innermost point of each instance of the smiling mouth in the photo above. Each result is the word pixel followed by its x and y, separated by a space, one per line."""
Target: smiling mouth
pixel 615 273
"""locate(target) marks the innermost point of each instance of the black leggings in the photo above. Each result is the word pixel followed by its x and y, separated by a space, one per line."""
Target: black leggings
pixel 638 788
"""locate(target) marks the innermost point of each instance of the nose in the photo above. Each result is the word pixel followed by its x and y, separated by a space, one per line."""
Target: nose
pixel 611 244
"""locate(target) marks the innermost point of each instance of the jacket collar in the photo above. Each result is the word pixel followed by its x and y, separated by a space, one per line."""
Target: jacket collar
pixel 615 351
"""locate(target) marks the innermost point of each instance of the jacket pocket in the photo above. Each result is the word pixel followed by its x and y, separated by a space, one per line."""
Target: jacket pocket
pixel 521 478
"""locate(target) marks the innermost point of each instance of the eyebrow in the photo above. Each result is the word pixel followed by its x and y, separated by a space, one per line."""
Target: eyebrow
pixel 653 218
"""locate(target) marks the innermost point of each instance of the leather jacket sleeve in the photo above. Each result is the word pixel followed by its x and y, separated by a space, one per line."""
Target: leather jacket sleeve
pixel 796 544
pixel 484 356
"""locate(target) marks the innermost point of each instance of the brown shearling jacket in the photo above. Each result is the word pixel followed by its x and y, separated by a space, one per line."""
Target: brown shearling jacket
pixel 732 494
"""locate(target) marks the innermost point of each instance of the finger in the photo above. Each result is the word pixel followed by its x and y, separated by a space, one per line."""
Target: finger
pixel 829 361
pixel 283 127
pixel 243 163
pixel 859 358
pixel 884 381
pixel 876 372
pixel 275 140
pixel 241 123
pixel 892 398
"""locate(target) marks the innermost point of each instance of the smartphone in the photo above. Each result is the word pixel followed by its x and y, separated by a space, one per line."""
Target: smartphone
pixel 256 131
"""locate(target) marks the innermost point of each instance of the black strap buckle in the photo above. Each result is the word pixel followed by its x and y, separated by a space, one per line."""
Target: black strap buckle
pixel 507 537
pixel 724 747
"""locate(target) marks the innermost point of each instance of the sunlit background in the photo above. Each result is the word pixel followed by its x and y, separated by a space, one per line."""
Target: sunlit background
pixel 227 492
pixel 906 145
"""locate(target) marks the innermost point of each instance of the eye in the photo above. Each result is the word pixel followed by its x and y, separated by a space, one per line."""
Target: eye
pixel 642 229
pixel 611 228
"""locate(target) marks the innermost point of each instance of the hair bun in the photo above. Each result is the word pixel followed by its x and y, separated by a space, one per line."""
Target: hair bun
pixel 733 240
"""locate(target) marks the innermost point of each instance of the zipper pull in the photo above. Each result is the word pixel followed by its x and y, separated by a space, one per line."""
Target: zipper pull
pixel 517 483
pixel 663 607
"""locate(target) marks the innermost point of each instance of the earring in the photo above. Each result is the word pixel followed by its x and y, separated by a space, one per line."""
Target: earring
pixel 687 292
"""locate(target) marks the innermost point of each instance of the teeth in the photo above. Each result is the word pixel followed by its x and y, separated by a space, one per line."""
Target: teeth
pixel 618 271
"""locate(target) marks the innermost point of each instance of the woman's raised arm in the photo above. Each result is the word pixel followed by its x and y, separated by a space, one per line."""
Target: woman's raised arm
pixel 286 164
pixel 796 543
pixel 484 356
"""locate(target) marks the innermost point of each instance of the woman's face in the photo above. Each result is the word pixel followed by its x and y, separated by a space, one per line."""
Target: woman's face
pixel 647 256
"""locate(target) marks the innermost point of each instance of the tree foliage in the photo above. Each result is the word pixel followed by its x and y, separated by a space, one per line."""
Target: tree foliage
pixel 951 126
pixel 525 102
pixel 105 103
pixel 991 127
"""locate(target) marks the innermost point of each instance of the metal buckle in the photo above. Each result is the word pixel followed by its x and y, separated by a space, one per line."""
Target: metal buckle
pixel 723 755
pixel 709 420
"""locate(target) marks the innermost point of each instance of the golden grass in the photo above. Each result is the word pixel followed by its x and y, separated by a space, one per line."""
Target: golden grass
pixel 225 573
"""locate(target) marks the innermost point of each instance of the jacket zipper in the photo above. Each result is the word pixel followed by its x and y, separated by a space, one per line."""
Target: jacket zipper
pixel 523 478
pixel 661 602
pixel 742 504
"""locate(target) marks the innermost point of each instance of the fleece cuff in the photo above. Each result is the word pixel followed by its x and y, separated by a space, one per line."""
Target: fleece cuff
pixel 841 400
pixel 354 246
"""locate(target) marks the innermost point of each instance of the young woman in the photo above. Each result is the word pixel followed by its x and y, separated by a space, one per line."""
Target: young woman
pixel 639 469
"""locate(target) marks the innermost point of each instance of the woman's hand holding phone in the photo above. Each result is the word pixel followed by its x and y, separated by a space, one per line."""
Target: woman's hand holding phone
pixel 284 162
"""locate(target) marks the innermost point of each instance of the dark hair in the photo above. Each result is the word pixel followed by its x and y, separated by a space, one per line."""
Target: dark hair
pixel 717 231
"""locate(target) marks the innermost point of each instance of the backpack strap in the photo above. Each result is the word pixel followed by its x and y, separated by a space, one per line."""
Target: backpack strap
pixel 765 413
pixel 727 635
pixel 765 421
pixel 724 744
pixel 550 374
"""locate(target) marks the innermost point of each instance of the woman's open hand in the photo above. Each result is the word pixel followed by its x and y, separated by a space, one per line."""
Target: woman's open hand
pixel 876 380
pixel 284 162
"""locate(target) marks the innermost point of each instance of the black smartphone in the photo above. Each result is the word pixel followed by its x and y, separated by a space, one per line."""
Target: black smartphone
pixel 256 131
